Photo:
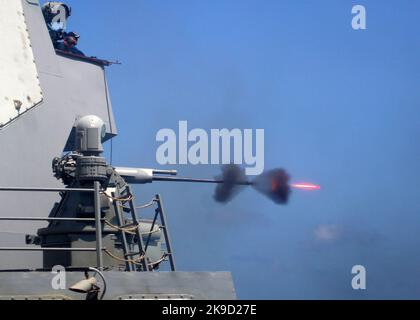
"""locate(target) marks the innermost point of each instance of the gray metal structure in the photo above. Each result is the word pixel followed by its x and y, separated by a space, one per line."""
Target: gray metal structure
pixel 71 88
pixel 38 128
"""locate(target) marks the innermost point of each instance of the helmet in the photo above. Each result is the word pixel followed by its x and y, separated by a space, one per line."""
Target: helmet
pixel 73 34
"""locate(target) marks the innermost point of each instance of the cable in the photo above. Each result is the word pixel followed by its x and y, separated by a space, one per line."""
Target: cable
pixel 124 229
pixel 130 229
pixel 121 199
pixel 153 264
pixel 135 261
pixel 144 206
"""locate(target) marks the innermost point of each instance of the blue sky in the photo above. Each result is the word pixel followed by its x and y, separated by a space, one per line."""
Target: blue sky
pixel 339 108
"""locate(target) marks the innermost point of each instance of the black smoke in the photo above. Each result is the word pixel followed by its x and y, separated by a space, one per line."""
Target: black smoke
pixel 274 184
pixel 231 176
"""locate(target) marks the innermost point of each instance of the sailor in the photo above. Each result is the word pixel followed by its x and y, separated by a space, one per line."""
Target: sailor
pixel 69 44
pixel 56 15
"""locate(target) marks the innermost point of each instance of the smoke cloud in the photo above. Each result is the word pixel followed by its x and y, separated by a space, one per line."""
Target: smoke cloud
pixel 274 184
pixel 231 176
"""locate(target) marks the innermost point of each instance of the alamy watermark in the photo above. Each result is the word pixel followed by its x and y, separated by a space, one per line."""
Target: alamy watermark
pixel 358 21
pixel 219 146
pixel 58 282
pixel 359 280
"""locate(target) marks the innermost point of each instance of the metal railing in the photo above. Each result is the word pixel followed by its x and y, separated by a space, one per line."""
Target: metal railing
pixel 99 249
pixel 98 229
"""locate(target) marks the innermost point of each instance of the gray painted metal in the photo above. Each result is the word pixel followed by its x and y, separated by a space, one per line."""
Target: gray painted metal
pixel 46 219
pixel 166 231
pixel 71 88
pixel 119 215
pixel 19 85
pixel 27 248
pixel 199 285
pixel 98 226
pixel 29 189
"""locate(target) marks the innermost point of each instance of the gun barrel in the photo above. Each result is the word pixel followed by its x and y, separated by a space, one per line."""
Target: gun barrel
pixel 142 176
pixel 215 181
pixel 136 175
pixel 165 172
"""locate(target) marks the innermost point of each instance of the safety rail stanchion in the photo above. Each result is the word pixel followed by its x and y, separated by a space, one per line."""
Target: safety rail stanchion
pixel 98 224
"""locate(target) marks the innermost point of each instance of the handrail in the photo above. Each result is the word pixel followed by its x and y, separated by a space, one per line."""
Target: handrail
pixel 34 189
pixel 47 219
pixel 98 219
pixel 47 249
pixel 99 249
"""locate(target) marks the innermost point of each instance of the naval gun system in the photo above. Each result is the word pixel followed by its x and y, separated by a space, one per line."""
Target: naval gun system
pixel 93 223
pixel 94 230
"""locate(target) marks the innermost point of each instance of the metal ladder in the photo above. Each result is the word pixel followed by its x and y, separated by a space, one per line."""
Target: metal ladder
pixel 128 254
pixel 142 248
